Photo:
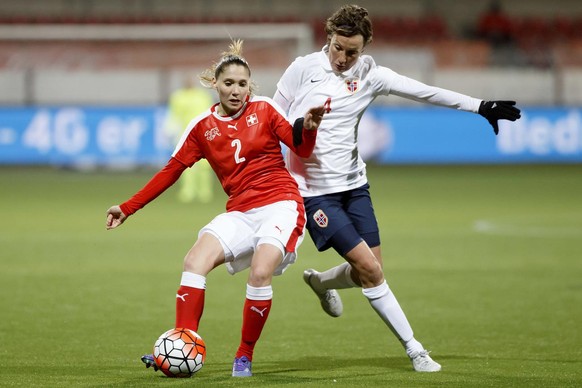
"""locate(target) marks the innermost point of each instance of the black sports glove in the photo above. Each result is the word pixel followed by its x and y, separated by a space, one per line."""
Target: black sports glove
pixel 499 110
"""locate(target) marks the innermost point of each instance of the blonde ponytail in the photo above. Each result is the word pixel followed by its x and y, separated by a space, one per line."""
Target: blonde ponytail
pixel 232 56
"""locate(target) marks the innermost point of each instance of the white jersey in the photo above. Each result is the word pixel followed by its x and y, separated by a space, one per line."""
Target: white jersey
pixel 335 164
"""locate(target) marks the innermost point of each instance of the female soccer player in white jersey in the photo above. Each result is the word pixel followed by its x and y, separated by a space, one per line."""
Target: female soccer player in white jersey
pixel 333 180
pixel 264 223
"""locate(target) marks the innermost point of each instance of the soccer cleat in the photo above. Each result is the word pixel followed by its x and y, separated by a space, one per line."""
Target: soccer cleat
pixel 148 360
pixel 330 299
pixel 241 367
pixel 422 362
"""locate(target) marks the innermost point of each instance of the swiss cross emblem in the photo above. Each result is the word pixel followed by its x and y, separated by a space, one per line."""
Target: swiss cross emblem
pixel 352 85
pixel 320 218
pixel 252 120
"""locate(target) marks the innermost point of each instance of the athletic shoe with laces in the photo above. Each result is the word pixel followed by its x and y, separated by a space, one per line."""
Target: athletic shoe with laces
pixel 241 367
pixel 148 360
pixel 422 362
pixel 330 299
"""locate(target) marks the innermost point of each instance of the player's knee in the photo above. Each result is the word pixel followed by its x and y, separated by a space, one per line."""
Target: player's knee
pixel 193 264
pixel 371 272
pixel 197 263
pixel 367 270
pixel 260 276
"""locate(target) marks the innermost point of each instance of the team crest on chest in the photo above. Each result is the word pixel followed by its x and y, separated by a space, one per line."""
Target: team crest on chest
pixel 252 119
pixel 212 133
pixel 320 218
pixel 352 85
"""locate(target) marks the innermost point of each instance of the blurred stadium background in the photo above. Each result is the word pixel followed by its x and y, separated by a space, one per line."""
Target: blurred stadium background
pixel 485 259
pixel 117 62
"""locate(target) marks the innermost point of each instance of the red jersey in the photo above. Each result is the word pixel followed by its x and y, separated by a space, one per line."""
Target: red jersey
pixel 244 151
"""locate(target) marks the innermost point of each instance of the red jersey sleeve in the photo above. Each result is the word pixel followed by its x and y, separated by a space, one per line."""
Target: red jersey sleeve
pixel 306 147
pixel 165 178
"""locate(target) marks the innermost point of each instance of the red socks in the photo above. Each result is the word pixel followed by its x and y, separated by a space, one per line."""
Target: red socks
pixel 255 315
pixel 189 307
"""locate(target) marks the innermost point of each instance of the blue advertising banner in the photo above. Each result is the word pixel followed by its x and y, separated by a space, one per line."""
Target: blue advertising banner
pixel 80 136
pixel 125 137
pixel 439 135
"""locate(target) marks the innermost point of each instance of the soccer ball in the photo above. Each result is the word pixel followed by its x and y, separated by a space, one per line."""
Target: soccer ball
pixel 180 352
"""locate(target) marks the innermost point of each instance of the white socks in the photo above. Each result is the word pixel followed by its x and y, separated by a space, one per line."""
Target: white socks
pixel 381 299
pixel 335 278
pixel 385 304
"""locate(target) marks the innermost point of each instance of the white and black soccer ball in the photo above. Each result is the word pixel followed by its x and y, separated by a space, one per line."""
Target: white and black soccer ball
pixel 179 352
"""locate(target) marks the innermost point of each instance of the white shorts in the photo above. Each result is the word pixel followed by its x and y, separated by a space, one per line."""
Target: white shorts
pixel 281 224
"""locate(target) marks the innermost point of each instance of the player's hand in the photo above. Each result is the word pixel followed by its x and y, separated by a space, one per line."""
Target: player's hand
pixel 499 110
pixel 313 117
pixel 115 217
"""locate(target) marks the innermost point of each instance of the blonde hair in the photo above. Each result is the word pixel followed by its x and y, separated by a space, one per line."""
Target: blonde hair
pixel 231 57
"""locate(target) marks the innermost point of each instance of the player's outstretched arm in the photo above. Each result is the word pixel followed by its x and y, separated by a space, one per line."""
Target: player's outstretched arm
pixel 115 217
pixel 499 110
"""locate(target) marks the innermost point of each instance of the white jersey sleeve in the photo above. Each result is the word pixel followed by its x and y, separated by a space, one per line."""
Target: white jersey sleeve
pixel 289 83
pixel 282 101
pixel 335 164
pixel 411 89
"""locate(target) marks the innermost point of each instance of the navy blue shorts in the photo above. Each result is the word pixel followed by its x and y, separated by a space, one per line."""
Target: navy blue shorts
pixel 342 220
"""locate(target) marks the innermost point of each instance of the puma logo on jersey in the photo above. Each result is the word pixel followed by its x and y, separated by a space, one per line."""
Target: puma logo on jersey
pixel 279 229
pixel 212 133
pixel 233 126
pixel 256 310
pixel 183 297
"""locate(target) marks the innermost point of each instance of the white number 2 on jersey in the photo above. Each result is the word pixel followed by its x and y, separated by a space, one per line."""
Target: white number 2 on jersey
pixel 236 143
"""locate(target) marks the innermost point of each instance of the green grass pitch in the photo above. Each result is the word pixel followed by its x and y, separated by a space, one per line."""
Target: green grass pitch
pixel 485 260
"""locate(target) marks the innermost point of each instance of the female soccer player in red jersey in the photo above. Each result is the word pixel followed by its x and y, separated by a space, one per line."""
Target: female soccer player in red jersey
pixel 265 219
